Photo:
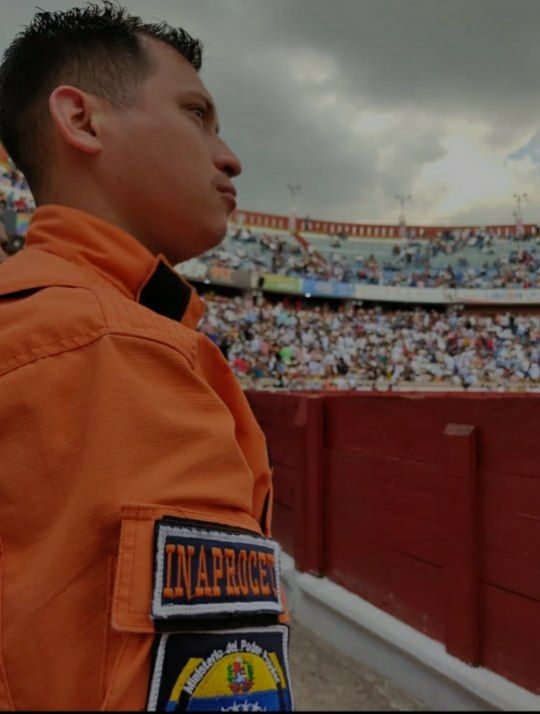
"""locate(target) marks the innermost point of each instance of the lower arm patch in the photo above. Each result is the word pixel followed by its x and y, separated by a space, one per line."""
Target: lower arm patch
pixel 235 670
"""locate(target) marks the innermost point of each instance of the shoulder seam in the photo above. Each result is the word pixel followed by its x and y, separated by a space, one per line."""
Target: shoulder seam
pixel 116 328
pixel 91 337
pixel 126 333
pixel 95 293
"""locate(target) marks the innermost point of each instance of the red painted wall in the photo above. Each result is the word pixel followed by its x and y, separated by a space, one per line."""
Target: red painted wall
pixel 441 531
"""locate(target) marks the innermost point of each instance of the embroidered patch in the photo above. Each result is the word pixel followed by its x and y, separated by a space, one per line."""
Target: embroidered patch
pixel 232 670
pixel 203 572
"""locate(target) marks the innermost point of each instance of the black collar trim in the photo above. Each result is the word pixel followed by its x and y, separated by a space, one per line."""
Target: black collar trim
pixel 166 293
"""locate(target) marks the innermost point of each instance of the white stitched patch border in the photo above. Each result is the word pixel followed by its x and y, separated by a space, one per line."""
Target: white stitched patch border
pixel 160 656
pixel 163 611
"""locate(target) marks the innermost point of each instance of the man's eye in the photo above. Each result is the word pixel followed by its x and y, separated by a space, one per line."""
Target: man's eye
pixel 202 111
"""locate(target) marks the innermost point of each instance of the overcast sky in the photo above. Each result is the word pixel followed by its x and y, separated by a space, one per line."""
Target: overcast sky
pixel 360 100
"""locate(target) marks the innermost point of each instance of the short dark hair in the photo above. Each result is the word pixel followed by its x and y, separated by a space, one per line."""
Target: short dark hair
pixel 97 48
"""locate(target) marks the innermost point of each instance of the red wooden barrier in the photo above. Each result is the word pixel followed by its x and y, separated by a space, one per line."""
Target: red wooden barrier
pixel 383 526
pixel 462 565
pixel 310 497
pixel 278 417
pixel 294 431
pixel 445 539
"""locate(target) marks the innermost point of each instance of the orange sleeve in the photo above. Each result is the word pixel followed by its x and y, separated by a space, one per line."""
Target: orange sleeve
pixel 119 420
pixel 174 438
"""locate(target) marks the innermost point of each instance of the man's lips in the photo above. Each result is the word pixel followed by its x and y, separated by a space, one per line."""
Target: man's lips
pixel 227 188
pixel 230 196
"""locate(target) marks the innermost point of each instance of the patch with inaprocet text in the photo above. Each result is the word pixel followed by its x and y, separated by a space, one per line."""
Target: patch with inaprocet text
pixel 203 572
pixel 233 670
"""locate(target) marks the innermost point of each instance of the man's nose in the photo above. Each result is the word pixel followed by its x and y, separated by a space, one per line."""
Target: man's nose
pixel 228 162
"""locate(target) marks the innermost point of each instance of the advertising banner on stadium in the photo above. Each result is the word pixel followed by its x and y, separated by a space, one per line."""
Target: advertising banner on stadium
pixel 245 279
pixel 229 276
pixel 391 293
pixel 197 270
pixel 447 296
pixel 221 276
pixel 503 296
pixel 282 283
pixel 16 224
pixel 327 288
pixel 22 221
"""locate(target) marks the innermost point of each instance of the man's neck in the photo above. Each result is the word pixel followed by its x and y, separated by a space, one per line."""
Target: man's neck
pixel 96 205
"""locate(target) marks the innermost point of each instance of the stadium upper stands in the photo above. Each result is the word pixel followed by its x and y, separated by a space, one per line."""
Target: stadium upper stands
pixel 472 261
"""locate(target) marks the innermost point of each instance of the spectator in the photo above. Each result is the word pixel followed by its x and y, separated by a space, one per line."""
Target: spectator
pixel 304 346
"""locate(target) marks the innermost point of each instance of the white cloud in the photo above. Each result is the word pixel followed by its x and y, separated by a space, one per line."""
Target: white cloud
pixel 471 176
pixel 311 68
pixel 372 123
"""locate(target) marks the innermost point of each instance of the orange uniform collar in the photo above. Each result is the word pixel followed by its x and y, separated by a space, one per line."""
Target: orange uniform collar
pixel 118 257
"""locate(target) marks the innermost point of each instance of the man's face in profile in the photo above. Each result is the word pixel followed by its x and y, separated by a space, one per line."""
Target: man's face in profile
pixel 165 162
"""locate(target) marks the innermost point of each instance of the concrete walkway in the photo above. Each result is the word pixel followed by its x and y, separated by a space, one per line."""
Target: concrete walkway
pixel 325 680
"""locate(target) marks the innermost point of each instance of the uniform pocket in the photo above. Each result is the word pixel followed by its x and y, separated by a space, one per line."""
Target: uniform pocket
pixel 184 589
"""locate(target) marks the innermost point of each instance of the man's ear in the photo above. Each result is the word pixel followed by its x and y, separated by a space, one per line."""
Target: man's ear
pixel 72 112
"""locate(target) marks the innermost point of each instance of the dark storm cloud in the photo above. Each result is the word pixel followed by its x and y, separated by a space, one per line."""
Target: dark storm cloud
pixel 301 85
pixel 472 56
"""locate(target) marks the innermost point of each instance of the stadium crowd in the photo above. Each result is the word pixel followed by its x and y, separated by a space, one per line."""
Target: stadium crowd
pixel 409 265
pixel 299 346
pixel 15 198
pixel 14 191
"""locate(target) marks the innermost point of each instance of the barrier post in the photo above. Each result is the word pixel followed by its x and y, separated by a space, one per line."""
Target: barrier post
pixel 309 530
pixel 462 576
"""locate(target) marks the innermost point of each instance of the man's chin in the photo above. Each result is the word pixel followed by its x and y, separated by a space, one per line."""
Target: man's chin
pixel 209 240
pixel 198 246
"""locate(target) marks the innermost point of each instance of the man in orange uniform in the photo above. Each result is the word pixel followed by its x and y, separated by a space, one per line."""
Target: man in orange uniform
pixel 136 565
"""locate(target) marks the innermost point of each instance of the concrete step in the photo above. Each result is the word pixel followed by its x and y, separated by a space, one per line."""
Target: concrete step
pixel 327 680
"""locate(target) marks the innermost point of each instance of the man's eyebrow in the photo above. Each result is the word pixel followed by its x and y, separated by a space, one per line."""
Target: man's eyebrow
pixel 210 108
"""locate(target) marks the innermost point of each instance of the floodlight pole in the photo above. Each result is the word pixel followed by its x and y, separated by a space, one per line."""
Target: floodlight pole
pixel 518 213
pixel 294 190
pixel 402 219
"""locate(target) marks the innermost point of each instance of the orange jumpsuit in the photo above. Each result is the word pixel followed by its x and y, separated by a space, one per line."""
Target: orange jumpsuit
pixel 115 415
